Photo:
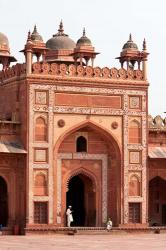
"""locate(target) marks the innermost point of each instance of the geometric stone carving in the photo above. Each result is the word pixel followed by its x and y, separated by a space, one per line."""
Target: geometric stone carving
pixel 41 97
pixel 134 157
pixel 134 102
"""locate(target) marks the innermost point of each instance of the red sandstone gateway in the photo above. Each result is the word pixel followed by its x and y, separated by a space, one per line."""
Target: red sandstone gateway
pixel 76 134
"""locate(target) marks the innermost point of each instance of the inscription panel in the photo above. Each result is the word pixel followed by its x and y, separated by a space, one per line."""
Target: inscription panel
pixel 88 100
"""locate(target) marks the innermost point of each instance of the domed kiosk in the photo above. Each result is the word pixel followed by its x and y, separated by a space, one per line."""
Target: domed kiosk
pixel 130 54
pixel 60 47
pixel 35 36
pixel 84 51
pixel 84 40
pixel 130 45
pixel 5 57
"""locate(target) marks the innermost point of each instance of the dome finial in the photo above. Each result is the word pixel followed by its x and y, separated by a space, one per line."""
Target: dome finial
pixel 144 44
pixel 84 33
pixel 35 29
pixel 130 37
pixel 61 29
pixel 29 36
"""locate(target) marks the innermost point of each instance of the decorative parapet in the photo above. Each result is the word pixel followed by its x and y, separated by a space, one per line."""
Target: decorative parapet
pixel 157 123
pixel 72 71
pixel 15 70
pixel 86 71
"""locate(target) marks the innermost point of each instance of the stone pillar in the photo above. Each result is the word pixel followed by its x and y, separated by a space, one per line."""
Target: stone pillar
pixel 29 61
pixel 144 69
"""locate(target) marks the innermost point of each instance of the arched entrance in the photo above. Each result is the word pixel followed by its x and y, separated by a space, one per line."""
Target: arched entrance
pixel 88 148
pixel 82 197
pixel 3 203
pixel 157 201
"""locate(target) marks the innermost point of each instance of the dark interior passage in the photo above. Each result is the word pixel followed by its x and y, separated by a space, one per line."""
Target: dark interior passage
pixel 157 201
pixel 164 214
pixel 75 198
pixel 82 197
pixel 3 203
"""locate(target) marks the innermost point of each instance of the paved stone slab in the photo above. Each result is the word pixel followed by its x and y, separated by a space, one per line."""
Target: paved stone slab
pixel 85 242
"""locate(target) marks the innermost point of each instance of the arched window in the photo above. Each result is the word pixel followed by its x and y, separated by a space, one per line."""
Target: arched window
pixel 40 129
pixel 134 132
pixel 81 144
pixel 40 187
pixel 134 186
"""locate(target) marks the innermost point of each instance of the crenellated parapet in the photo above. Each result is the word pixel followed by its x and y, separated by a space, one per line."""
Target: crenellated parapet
pixel 157 124
pixel 86 71
pixel 72 71
pixel 15 70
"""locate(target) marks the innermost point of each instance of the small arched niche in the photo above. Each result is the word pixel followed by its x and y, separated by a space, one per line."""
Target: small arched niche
pixel 134 186
pixel 81 144
pixel 40 185
pixel 134 132
pixel 40 129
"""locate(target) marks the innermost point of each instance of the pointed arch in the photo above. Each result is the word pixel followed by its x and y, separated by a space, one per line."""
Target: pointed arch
pixel 83 172
pixel 157 206
pixel 108 135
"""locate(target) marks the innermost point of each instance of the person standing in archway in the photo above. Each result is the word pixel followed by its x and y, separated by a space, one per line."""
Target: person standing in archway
pixel 69 216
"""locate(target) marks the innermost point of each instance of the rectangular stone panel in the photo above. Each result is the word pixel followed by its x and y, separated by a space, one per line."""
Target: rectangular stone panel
pixel 135 102
pixel 40 155
pixel 41 97
pixel 88 100
pixel 134 157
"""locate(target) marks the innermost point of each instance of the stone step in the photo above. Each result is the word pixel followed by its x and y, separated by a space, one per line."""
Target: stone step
pixel 91 230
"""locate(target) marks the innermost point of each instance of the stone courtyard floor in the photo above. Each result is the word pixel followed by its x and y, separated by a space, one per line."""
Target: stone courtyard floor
pixel 85 242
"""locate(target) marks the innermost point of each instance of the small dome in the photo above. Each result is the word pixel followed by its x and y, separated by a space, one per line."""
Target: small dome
pixel 130 44
pixel 60 40
pixel 84 40
pixel 35 36
pixel 4 42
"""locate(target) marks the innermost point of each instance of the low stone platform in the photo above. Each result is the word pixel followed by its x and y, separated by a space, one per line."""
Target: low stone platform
pixel 92 230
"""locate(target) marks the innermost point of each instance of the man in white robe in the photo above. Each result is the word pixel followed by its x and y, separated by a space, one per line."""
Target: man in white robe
pixel 69 216
pixel 109 224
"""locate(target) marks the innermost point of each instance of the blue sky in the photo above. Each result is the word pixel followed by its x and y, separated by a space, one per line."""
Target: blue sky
pixel 108 24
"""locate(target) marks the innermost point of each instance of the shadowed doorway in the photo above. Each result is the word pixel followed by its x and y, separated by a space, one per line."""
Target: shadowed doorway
pixel 157 201
pixel 81 197
pixel 3 203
